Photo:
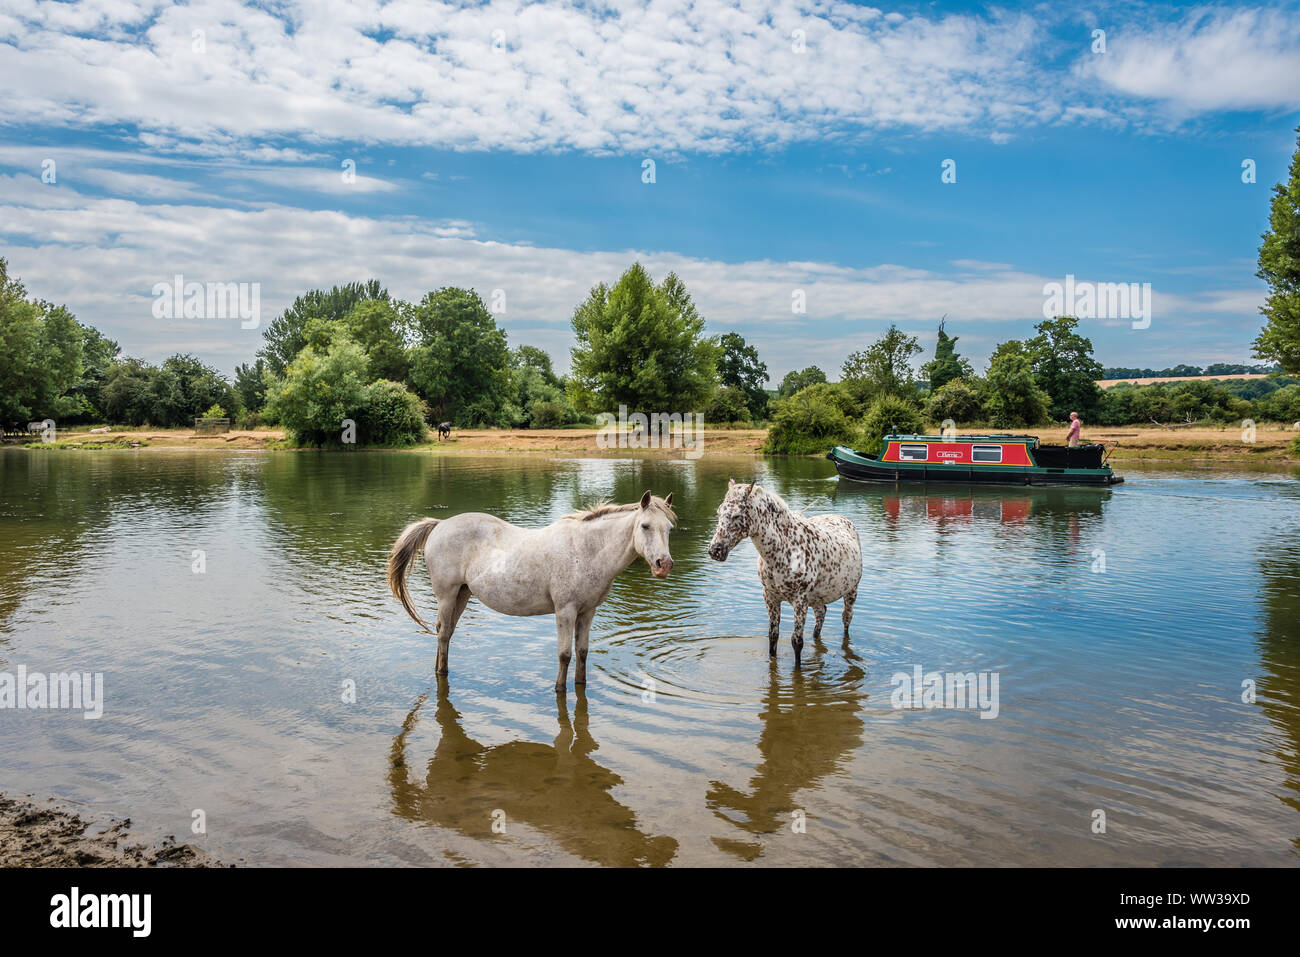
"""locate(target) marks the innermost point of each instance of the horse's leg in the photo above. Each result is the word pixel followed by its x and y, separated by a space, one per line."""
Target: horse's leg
pixel 582 633
pixel 566 620
pixel 849 599
pixel 773 602
pixel 796 639
pixel 819 613
pixel 450 607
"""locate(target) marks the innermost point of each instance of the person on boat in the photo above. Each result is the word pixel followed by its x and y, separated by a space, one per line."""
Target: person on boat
pixel 1076 425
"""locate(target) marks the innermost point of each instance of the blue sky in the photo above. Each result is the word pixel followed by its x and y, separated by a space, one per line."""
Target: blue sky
pixel 797 146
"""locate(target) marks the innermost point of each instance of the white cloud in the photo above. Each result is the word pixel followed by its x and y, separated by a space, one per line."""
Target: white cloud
pixel 102 257
pixel 1214 59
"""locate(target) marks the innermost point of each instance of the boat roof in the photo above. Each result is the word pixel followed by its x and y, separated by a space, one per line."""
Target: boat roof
pixel 961 438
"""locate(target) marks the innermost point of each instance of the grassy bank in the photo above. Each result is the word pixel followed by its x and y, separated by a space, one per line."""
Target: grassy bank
pixel 1132 443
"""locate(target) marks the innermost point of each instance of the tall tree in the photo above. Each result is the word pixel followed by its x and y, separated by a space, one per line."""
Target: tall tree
pixel 284 336
pixel 1012 396
pixel 739 367
pixel 460 364
pixel 41 355
pixel 643 346
pixel 1279 266
pixel 796 381
pixel 946 364
pixel 1064 367
pixel 883 369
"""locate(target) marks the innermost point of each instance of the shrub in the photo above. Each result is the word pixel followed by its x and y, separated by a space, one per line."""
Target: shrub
pixel 888 415
pixel 216 412
pixel 808 422
pixel 392 415
pixel 956 399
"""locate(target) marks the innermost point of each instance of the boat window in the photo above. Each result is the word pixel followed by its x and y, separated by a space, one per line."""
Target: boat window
pixel 913 453
pixel 986 453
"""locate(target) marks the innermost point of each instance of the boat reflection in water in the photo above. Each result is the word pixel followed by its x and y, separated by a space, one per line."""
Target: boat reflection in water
pixel 557 788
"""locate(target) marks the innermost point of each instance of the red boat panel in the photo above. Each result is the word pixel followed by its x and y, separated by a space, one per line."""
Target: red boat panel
pixel 958 453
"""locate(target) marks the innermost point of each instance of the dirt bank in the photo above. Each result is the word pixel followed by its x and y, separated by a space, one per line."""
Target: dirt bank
pixel 50 835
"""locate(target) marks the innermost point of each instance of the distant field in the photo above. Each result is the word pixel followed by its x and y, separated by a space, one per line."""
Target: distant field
pixel 1107 383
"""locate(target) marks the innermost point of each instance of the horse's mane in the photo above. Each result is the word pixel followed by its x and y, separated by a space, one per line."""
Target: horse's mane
pixel 601 509
pixel 777 500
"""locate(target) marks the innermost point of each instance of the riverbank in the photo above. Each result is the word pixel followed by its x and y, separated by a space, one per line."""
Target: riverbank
pixel 50 835
pixel 1131 443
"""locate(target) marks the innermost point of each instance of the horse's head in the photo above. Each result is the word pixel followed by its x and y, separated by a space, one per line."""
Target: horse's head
pixel 733 520
pixel 654 521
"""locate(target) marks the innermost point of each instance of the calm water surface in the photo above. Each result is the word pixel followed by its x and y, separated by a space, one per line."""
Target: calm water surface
pixel 1121 625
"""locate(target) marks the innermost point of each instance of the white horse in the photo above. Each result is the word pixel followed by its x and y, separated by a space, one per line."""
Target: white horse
pixel 565 569
pixel 808 562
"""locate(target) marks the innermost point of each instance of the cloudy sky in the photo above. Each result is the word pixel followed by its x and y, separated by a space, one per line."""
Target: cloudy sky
pixel 796 146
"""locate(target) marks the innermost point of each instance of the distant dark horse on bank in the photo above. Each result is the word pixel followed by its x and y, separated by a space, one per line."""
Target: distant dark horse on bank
pixel 444 430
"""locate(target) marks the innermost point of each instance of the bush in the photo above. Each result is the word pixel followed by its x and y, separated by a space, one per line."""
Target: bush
pixel 392 415
pixel 216 412
pixel 1295 446
pixel 889 415
pixel 318 391
pixel 546 414
pixel 956 399
pixel 808 422
pixel 729 404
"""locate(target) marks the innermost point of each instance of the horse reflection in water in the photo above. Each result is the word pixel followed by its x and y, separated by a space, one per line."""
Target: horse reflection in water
pixel 810 727
pixel 556 788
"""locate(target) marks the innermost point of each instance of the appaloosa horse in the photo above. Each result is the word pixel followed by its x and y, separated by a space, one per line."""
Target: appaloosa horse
pixel 565 569
pixel 808 562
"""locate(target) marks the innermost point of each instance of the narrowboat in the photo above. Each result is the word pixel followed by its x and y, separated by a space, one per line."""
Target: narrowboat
pixel 975 459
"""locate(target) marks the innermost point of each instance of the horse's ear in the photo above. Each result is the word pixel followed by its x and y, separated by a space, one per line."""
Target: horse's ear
pixel 750 489
pixel 669 500
pixel 730 482
pixel 645 499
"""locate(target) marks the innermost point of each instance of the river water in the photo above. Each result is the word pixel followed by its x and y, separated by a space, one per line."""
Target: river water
pixel 1144 640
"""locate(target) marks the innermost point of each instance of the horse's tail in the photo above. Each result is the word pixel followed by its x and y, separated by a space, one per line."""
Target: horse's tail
pixel 409 544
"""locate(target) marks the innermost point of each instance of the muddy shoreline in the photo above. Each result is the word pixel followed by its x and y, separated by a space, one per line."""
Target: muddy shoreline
pixel 49 834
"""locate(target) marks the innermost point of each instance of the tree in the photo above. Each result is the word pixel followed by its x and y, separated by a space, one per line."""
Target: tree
pixel 284 336
pixel 1063 366
pixel 795 381
pixel 729 404
pixel 377 326
pixel 739 368
pixel 460 364
pixel 250 383
pixel 889 415
pixel 946 364
pixel 194 386
pixel 957 399
pixel 1279 266
pixel 41 355
pixel 642 346
pixel 319 389
pixel 1013 398
pixel 883 369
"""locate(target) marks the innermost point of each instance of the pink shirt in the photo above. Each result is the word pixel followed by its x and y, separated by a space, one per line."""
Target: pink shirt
pixel 1075 426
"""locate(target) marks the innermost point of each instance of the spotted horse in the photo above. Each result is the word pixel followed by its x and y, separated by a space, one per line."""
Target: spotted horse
pixel 808 562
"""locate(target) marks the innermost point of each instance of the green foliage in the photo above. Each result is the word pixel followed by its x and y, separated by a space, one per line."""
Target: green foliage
pixel 739 368
pixel 378 327
pixel 961 400
pixel 391 415
pixel 883 369
pixel 642 346
pixel 808 422
pixel 284 336
pixel 1279 266
pixel 889 415
pixel 1064 368
pixel 1295 447
pixel 729 404
pixel 250 383
pixel 946 364
pixel 537 397
pixel 319 390
pixel 214 412
pixel 41 356
pixel 795 381
pixel 460 364
pixel 1012 397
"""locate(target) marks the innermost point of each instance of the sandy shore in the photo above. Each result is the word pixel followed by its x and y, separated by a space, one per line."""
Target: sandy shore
pixel 51 835
pixel 1132 443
